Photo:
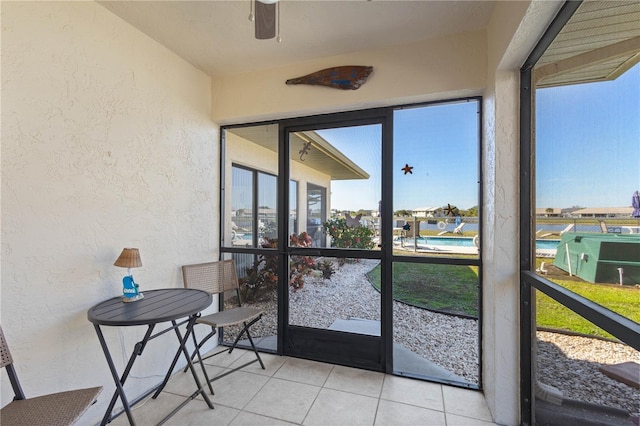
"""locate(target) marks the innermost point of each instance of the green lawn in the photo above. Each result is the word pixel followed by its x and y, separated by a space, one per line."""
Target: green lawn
pixel 620 299
pixel 448 288
pixel 454 289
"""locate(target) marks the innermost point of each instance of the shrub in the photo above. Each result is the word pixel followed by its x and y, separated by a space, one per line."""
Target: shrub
pixel 343 236
pixel 300 265
pixel 326 266
pixel 261 279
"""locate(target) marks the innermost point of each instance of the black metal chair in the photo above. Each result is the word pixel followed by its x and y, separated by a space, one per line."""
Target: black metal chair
pixel 218 278
pixel 62 408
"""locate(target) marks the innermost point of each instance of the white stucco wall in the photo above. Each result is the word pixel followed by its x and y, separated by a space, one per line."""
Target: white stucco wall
pixel 107 142
pixel 514 30
pixel 500 251
pixel 434 69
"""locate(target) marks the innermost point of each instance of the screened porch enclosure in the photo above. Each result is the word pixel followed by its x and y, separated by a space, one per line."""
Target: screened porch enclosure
pixel 357 289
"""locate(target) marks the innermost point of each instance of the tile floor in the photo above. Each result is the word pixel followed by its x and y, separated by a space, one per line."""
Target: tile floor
pixel 300 392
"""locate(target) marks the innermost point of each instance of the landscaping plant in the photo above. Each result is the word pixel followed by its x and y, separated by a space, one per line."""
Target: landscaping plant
pixel 261 279
pixel 343 236
pixel 326 266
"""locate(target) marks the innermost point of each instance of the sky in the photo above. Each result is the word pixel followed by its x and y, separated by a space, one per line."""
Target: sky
pixel 588 143
pixel 439 142
pixel 587 151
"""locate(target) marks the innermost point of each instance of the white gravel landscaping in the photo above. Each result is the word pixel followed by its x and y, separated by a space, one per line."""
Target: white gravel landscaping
pixel 569 363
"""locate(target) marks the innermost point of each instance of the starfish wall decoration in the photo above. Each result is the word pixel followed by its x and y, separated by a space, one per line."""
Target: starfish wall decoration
pixel 407 169
pixel 450 210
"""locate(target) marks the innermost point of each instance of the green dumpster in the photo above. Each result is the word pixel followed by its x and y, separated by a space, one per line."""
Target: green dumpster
pixel 601 258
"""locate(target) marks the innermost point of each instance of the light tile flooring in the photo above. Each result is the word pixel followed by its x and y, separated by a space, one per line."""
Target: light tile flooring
pixel 295 391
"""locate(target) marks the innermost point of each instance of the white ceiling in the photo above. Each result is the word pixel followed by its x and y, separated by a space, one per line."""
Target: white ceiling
pixel 218 38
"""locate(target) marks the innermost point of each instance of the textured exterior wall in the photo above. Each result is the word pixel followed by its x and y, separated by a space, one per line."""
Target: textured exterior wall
pixel 514 30
pixel 435 69
pixel 501 285
pixel 107 142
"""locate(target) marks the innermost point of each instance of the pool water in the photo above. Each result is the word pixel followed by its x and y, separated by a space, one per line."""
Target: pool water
pixel 454 241
pixel 547 244
pixel 446 241
pixel 468 242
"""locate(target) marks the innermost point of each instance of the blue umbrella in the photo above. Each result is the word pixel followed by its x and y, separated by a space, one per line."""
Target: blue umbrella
pixel 635 202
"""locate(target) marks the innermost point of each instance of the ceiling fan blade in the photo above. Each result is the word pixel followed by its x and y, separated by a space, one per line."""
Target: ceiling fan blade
pixel 265 20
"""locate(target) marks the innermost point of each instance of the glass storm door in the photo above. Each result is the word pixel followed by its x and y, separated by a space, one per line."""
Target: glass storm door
pixel 303 202
pixel 333 310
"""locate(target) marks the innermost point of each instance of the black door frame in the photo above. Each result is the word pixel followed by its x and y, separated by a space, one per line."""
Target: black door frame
pixel 620 327
pixel 353 350
pixel 372 352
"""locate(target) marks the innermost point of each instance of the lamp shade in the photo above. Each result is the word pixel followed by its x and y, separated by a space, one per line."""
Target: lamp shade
pixel 129 258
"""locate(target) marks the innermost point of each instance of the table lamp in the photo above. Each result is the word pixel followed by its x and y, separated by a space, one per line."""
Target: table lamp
pixel 129 258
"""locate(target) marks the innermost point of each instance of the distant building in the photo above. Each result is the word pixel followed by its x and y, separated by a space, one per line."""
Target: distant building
pixel 575 212
pixel 568 211
pixel 425 211
pixel 603 212
pixel 549 212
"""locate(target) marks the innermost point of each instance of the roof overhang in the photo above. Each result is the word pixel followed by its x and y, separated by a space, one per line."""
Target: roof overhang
pixel 600 42
pixel 319 154
pixel 323 156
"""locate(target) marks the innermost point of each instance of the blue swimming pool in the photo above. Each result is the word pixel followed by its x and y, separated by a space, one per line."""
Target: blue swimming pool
pixel 547 244
pixel 468 242
pixel 453 241
pixel 446 241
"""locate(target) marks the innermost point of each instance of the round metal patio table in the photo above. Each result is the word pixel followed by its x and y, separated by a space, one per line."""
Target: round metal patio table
pixel 157 306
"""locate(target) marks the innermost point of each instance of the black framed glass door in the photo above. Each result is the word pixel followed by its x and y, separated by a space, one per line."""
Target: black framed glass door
pixel 342 223
pixel 333 312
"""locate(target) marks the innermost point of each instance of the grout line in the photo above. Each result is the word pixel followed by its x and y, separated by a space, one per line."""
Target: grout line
pixel 286 358
pixel 234 417
pixel 258 391
pixel 333 367
pixel 319 388
pixel 315 398
pixel 375 415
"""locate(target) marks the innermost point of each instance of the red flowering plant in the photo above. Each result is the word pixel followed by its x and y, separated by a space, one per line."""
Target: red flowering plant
pixel 300 266
pixel 261 279
pixel 344 236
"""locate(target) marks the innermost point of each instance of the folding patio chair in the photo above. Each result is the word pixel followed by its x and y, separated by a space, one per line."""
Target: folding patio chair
pixel 609 229
pixel 564 231
pixel 217 278
pixel 62 408
pixel 457 230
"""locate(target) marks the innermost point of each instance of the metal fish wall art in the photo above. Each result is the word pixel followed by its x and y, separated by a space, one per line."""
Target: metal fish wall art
pixel 346 77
